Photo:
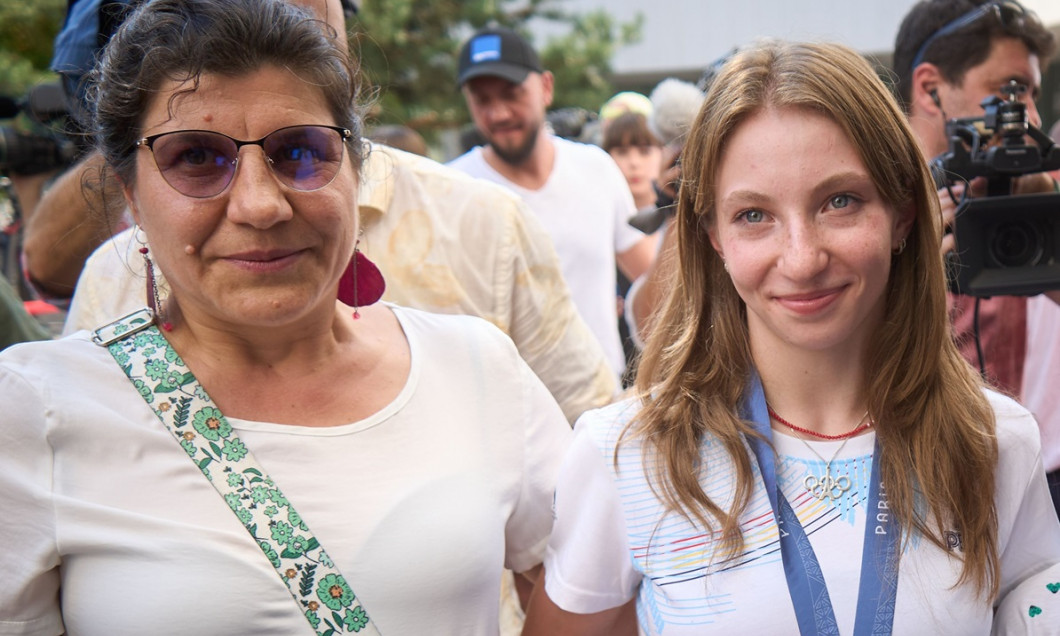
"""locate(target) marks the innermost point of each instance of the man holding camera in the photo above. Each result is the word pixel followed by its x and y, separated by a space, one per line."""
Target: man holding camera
pixel 950 55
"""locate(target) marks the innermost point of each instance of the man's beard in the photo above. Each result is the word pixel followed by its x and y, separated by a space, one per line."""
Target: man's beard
pixel 518 155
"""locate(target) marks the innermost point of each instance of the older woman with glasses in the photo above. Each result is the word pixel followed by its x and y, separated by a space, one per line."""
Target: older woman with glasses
pixel 264 451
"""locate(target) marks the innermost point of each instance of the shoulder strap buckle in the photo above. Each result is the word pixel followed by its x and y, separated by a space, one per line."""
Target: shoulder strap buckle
pixel 124 327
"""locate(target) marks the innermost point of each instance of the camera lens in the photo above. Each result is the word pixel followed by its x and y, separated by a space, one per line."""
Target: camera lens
pixel 1016 244
pixel 27 154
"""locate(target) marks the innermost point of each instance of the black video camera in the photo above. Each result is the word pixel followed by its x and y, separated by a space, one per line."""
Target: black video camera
pixel 569 122
pixel 45 148
pixel 1007 245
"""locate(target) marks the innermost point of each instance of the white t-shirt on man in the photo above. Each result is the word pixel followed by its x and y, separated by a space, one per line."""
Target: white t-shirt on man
pixel 585 207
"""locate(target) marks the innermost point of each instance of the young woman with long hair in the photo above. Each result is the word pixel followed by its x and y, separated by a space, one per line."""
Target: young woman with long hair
pixel 807 451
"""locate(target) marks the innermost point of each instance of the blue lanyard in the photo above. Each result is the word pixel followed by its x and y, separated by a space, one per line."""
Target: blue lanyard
pixel 806 585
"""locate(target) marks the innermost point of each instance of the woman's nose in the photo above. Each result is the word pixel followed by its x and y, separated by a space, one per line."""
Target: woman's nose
pixel 804 254
pixel 256 197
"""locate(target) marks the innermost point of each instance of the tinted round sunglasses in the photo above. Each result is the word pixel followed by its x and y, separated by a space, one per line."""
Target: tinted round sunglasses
pixel 202 163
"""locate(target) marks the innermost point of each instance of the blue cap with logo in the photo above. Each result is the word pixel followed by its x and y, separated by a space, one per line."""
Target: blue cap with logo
pixel 497 52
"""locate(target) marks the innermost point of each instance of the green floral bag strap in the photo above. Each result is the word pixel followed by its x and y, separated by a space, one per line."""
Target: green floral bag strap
pixel 179 401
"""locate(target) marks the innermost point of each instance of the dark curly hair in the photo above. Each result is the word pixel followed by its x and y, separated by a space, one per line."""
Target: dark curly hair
pixel 180 40
pixel 965 48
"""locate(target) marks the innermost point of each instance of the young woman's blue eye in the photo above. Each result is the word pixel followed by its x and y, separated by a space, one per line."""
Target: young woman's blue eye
pixel 753 216
pixel 840 201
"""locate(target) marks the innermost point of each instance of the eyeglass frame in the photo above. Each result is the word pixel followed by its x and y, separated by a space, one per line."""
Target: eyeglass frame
pixel 148 142
pixel 967 19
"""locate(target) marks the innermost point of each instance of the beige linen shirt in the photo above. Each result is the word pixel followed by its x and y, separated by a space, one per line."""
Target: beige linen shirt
pixel 446 243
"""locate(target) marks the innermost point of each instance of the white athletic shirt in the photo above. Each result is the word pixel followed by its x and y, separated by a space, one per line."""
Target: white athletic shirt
pixel 420 505
pixel 611 540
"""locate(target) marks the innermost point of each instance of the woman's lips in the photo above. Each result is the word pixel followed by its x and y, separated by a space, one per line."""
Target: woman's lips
pixel 264 260
pixel 811 302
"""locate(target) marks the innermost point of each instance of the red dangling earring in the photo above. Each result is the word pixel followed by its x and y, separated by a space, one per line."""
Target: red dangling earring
pixel 152 285
pixel 362 283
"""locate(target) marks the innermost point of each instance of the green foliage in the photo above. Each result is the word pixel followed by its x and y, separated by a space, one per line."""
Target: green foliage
pixel 581 59
pixel 27 31
pixel 408 51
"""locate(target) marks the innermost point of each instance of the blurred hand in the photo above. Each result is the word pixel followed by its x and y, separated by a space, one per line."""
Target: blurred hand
pixel 949 199
pixel 1036 183
pixel 670 172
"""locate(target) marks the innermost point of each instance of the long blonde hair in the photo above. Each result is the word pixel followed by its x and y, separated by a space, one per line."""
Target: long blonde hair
pixel 934 426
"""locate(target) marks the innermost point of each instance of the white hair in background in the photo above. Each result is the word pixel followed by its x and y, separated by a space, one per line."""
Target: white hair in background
pixel 675 106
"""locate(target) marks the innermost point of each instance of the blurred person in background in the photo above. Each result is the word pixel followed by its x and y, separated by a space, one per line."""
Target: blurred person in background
pixel 948 56
pixel 574 189
pixel 400 137
pixel 675 104
pixel 1041 371
pixel 638 153
pixel 16 324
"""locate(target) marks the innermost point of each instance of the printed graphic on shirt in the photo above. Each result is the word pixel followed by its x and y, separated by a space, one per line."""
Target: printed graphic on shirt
pixel 690 580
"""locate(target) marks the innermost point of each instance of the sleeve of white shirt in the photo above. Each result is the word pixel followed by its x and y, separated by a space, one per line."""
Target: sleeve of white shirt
pixel 588 564
pixel 547 436
pixel 29 595
pixel 1031 609
pixel 1028 530
pixel 634 289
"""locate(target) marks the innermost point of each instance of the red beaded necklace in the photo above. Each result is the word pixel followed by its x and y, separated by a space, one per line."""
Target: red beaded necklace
pixel 857 429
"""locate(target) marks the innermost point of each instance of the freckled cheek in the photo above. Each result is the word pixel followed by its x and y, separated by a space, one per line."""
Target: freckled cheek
pixel 870 246
pixel 746 267
pixel 744 253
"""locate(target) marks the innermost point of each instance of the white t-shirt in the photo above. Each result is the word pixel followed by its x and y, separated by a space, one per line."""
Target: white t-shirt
pixel 585 207
pixel 1041 375
pixel 110 528
pixel 611 539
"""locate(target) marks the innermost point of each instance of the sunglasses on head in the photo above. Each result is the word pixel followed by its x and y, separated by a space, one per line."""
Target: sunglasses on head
pixel 202 163
pixel 1007 13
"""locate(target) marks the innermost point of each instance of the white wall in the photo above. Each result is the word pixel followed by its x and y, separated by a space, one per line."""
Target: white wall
pixel 686 35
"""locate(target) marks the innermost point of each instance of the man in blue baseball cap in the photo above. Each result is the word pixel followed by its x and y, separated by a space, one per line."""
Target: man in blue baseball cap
pixel 498 52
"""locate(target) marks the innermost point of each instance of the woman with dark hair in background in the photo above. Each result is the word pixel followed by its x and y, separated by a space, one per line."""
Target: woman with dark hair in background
pixel 638 153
